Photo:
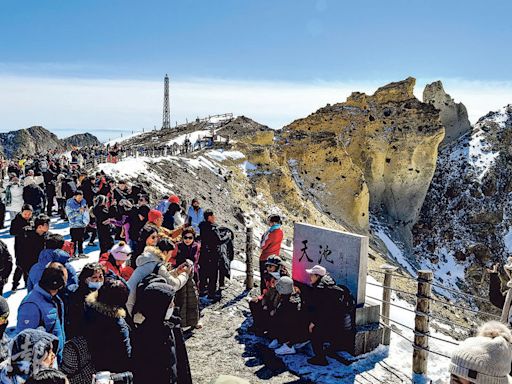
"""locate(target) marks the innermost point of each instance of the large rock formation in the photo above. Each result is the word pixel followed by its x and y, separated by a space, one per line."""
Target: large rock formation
pixel 80 140
pixel 39 140
pixel 373 153
pixel 28 142
pixel 454 116
pixel 466 220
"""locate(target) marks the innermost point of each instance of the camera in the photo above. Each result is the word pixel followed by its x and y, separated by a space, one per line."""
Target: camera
pixel 106 377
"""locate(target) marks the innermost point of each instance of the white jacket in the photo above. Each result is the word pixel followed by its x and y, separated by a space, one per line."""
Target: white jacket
pixel 16 197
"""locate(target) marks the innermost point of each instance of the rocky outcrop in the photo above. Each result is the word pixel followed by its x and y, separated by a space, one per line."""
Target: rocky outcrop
pixel 371 153
pixel 80 140
pixel 28 142
pixel 454 116
pixel 466 220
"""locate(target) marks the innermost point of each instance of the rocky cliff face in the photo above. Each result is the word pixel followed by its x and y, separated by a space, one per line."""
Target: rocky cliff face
pixel 466 221
pixel 28 141
pixel 80 140
pixel 38 140
pixel 454 116
pixel 371 153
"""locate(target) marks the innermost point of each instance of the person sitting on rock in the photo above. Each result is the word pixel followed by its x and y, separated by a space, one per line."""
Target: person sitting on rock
pixel 331 315
pixel 288 324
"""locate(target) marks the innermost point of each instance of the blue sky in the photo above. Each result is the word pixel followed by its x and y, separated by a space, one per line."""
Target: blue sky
pixel 300 43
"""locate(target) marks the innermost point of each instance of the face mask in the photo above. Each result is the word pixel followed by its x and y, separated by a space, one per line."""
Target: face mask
pixel 95 284
pixel 169 313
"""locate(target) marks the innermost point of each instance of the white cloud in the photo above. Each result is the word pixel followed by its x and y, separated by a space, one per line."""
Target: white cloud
pixel 104 107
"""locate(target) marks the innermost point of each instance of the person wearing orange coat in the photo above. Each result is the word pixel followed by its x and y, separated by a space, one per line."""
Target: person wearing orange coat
pixel 270 243
pixel 115 260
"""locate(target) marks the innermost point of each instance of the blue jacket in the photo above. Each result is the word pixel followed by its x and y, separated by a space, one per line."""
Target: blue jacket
pixel 195 218
pixel 39 308
pixel 76 218
pixel 47 256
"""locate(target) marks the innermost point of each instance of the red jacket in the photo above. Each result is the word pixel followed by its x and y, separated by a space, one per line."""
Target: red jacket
pixel 271 242
pixel 108 263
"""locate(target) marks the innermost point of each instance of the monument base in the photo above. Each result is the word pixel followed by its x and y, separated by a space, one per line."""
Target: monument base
pixel 369 332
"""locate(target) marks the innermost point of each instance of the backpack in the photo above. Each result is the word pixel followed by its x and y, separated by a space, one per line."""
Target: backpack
pixel 153 277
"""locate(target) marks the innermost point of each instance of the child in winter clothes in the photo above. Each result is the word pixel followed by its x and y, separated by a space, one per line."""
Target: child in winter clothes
pixel 115 260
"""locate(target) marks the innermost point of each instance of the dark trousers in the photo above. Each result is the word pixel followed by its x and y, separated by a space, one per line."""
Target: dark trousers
pixel 62 205
pixel 92 232
pixel 106 242
pixel 263 269
pixel 260 317
pixel 18 273
pixel 49 205
pixel 77 237
pixel 338 340
pixel 208 276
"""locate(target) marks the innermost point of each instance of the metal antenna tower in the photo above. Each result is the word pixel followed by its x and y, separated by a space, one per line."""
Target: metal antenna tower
pixel 166 121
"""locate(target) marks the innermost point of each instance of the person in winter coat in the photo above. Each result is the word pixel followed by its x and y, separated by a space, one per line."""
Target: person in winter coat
pixel 88 189
pixel 52 252
pixel 32 350
pixel 13 197
pixel 172 217
pixel 163 204
pixel 187 298
pixel 331 315
pixel 4 321
pixel 288 324
pixel 210 255
pixel 59 195
pixel 195 216
pixel 138 218
pixel 78 216
pixel 485 358
pixel 502 299
pixel 148 237
pixel 105 327
pixel 91 279
pixel 19 226
pixel 154 260
pixel 261 306
pixel 102 216
pixel 159 353
pixel 271 241
pixel 43 307
pixel 33 195
pixel 32 243
pixel 115 260
pixel 5 265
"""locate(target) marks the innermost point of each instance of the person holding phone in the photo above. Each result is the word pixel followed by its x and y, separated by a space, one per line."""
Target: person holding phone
pixel 154 260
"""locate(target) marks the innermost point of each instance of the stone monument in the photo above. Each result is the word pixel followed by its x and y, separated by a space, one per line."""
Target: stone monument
pixel 345 256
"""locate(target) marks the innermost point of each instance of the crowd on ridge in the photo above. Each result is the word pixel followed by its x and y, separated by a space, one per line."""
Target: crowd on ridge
pixel 121 318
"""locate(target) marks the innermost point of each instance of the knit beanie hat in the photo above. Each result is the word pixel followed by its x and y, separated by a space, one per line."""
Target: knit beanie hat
pixel 113 292
pixel 174 199
pixel 4 307
pixel 121 251
pixel 486 358
pixel 154 215
pixel 285 285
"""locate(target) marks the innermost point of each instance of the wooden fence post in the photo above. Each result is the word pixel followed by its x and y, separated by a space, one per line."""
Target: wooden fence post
pixel 249 246
pixel 421 323
pixel 386 299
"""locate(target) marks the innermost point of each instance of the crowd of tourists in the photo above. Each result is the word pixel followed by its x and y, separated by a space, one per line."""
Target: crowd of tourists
pixel 122 314
pixel 120 319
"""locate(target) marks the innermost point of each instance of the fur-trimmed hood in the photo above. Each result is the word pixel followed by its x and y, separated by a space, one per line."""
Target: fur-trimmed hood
pixel 114 312
pixel 151 254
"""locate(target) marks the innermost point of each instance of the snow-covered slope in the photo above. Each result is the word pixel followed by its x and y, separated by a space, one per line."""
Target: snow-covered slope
pixel 466 220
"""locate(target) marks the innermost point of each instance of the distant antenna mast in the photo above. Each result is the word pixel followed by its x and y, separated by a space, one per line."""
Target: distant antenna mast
pixel 166 121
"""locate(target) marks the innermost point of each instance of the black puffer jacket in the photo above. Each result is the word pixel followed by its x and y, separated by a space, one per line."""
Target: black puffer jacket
pixel 159 354
pixel 332 305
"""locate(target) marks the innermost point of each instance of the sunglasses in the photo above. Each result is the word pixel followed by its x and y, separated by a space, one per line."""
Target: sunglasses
pixel 189 237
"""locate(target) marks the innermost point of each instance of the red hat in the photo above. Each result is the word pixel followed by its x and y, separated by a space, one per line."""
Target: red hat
pixel 154 215
pixel 174 199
